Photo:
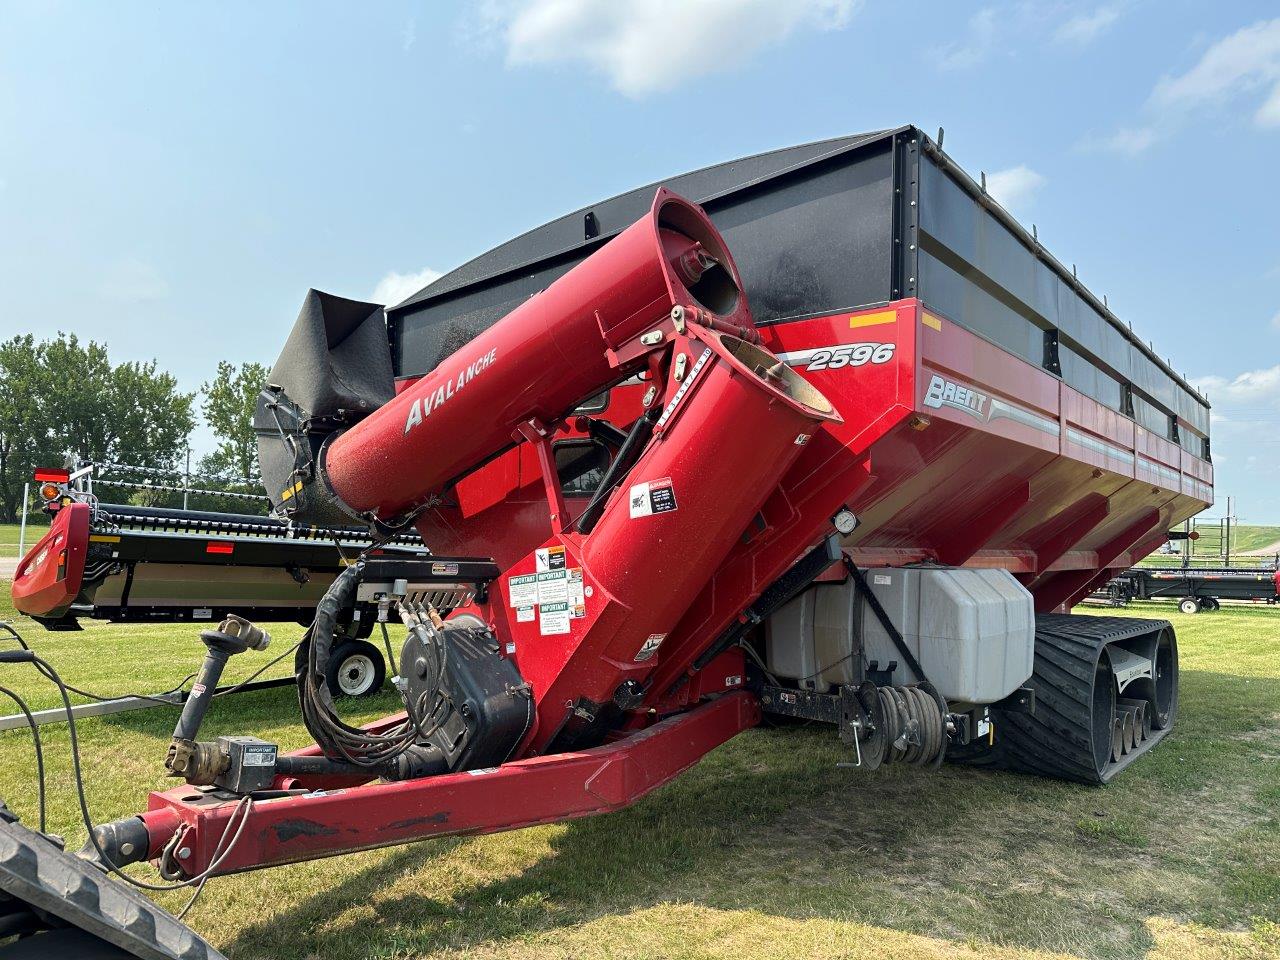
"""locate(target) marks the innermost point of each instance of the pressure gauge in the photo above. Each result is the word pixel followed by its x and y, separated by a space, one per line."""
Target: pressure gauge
pixel 845 522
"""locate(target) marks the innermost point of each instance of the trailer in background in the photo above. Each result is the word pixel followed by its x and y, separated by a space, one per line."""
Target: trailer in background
pixel 1195 588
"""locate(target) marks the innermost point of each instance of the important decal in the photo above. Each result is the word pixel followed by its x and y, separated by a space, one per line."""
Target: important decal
pixel 422 406
pixel 652 496
pixel 553 618
pixel 946 393
pixel 523 590
pixel 843 355
pixel 650 647
pixel 553 587
pixel 553 596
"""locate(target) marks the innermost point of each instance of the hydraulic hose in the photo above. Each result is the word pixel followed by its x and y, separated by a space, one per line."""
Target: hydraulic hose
pixel 628 454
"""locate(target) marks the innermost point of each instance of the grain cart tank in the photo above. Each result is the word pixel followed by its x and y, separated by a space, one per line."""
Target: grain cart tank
pixel 832 438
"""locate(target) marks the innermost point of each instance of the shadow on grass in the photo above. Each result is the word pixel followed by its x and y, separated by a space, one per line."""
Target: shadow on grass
pixel 768 824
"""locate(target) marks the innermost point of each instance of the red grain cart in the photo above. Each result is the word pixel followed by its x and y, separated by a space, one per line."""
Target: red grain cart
pixel 841 443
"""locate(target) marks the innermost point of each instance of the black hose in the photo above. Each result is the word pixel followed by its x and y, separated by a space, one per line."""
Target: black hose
pixel 336 738
pixel 628 454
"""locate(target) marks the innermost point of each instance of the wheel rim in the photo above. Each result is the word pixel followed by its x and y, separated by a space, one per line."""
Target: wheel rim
pixel 356 675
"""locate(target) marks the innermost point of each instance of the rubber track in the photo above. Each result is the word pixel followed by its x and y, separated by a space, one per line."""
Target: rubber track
pixel 37 873
pixel 1056 741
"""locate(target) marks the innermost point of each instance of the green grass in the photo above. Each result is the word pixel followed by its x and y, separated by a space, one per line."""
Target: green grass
pixel 1253 538
pixel 37 526
pixel 766 848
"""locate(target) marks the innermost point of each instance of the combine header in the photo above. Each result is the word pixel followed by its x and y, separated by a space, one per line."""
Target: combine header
pixel 857 475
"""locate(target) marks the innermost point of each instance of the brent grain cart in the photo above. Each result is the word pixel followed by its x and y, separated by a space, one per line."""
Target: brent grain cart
pixel 839 441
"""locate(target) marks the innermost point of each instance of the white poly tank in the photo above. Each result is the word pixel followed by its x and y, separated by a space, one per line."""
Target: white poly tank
pixel 973 631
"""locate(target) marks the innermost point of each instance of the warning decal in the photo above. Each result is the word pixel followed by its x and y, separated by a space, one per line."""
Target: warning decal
pixel 650 647
pixel 549 558
pixel 652 496
pixel 577 596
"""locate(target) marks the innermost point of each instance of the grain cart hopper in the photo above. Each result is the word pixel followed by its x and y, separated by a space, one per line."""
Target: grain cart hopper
pixel 842 443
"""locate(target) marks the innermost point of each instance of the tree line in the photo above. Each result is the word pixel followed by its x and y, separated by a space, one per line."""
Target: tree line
pixel 63 398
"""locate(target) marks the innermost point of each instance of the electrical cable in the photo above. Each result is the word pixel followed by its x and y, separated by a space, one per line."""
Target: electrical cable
pixel 386 642
pixel 221 851
pixel 6 626
pixel 153 697
pixel 337 738
pixel 35 736
pixel 160 698
pixel 253 676
pixel 751 652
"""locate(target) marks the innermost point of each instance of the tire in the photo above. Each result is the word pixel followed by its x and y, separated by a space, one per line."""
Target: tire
pixel 1210 603
pixel 1189 605
pixel 356 669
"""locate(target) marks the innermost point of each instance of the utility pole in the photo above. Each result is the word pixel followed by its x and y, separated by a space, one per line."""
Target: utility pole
pixel 1226 543
pixel 186 479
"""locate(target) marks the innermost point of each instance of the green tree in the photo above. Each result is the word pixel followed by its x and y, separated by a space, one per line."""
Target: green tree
pixel 62 398
pixel 228 405
pixel 25 438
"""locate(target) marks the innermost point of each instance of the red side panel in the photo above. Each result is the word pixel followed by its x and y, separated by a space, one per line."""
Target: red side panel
pixel 48 577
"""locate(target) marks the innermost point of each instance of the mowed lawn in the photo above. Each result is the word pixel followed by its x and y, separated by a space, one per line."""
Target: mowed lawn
pixel 765 849
pixel 37 526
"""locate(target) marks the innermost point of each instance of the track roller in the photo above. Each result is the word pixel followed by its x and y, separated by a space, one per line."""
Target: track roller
pixel 1084 728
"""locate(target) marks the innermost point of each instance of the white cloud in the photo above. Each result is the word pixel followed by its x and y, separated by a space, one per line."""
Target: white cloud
pixel 1129 141
pixel 1087 27
pixel 133 280
pixel 1016 187
pixel 1244 62
pixel 409 35
pixel 397 287
pixel 1232 70
pixel 649 46
pixel 1275 321
pixel 1252 386
pixel 975 47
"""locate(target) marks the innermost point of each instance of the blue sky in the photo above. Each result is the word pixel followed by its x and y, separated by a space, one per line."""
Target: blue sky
pixel 173 177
